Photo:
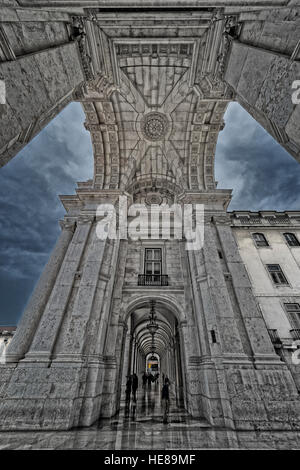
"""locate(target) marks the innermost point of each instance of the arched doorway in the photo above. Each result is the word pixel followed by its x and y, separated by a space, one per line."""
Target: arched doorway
pixel 152 364
pixel 152 347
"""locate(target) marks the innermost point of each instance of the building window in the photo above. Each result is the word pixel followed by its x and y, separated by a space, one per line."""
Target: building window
pixel 291 239
pixel 153 261
pixel 293 313
pixel 277 274
pixel 153 269
pixel 260 239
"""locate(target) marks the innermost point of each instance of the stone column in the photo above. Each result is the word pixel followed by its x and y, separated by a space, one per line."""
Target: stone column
pixel 37 303
pixel 49 326
pixel 254 323
pixel 223 332
pixel 75 331
pixel 127 354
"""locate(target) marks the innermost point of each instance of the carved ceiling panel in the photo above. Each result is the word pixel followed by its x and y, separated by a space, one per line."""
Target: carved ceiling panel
pixel 157 107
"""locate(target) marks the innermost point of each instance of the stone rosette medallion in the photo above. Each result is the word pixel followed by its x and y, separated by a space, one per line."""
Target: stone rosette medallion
pixel 153 198
pixel 154 126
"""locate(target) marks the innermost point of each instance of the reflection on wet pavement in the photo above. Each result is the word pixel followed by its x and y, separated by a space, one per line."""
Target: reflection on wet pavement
pixel 139 426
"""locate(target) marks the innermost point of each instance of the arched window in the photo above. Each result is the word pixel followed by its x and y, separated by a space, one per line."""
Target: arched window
pixel 260 239
pixel 291 239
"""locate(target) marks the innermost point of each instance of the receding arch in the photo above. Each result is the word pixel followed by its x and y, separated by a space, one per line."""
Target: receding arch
pixel 167 343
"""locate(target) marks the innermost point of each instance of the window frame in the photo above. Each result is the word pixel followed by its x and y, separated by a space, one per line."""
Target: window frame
pixel 297 245
pixel 294 324
pixel 267 245
pixel 280 271
pixel 153 260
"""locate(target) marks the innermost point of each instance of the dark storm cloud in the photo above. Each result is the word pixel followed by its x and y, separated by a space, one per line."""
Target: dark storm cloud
pixel 30 209
pixel 262 174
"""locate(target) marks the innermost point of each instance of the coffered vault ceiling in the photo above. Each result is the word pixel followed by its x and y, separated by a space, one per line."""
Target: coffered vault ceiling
pixel 155 99
pixel 165 334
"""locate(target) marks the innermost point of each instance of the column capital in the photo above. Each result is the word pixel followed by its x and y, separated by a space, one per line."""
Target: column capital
pixel 66 224
pixel 123 324
pixel 85 219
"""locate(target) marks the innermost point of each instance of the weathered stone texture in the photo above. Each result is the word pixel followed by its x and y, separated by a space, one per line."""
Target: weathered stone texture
pixel 154 109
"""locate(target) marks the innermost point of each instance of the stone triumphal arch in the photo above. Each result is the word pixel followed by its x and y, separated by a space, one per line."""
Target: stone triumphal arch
pixel 154 81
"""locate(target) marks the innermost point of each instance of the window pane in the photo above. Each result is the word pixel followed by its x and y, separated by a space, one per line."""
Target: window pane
pixel 260 239
pixel 274 277
pixel 293 311
pixel 292 307
pixel 281 278
pixel 291 239
pixel 156 268
pixel 274 267
pixel 277 274
pixel 148 268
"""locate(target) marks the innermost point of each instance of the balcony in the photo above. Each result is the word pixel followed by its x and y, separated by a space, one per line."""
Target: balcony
pixel 295 333
pixel 153 280
pixel 275 338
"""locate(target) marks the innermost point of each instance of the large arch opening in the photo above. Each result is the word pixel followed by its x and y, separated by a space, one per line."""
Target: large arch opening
pixel 152 351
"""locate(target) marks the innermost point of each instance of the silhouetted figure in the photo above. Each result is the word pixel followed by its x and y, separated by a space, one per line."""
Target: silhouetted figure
pixel 144 379
pixel 149 378
pixel 165 397
pixel 133 410
pixel 128 389
pixel 135 384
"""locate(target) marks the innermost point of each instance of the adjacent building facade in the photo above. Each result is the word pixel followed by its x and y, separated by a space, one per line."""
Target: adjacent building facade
pixel 269 246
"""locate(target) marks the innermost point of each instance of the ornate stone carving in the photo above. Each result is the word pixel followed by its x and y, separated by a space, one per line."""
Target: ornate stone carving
pixel 79 35
pixel 231 31
pixel 67 225
pixel 85 219
pixel 154 126
pixel 153 198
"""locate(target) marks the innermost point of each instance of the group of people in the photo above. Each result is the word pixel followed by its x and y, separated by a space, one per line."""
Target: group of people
pixel 132 384
pixel 148 378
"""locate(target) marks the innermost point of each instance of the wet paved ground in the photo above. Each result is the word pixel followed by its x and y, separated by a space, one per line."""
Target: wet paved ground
pixel 141 426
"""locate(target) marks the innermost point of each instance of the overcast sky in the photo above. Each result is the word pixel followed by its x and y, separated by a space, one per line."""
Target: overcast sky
pixel 248 160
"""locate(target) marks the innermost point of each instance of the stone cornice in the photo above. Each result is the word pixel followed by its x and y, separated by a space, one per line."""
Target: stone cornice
pixel 268 219
pixel 221 197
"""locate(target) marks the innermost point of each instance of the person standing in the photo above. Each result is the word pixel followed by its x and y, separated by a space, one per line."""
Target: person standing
pixel 128 389
pixel 135 384
pixel 144 379
pixel 165 397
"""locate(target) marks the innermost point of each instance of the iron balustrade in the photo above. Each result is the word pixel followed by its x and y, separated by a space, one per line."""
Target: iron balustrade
pixel 153 280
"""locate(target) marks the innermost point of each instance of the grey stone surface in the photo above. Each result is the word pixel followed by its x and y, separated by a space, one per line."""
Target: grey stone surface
pixel 86 326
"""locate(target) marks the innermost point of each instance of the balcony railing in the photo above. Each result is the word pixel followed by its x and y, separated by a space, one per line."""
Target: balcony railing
pixel 153 280
pixel 275 338
pixel 295 333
